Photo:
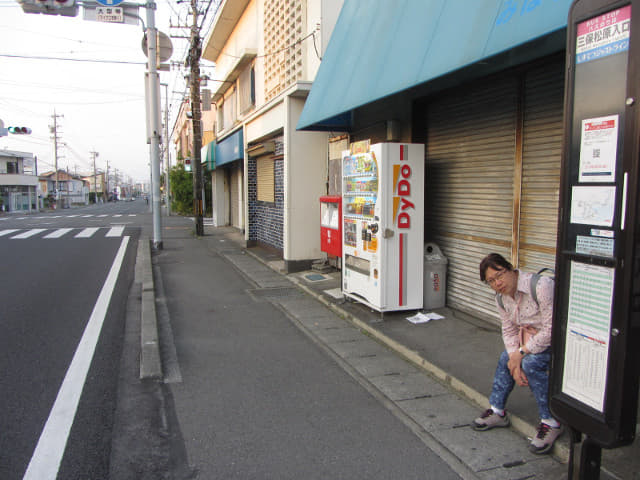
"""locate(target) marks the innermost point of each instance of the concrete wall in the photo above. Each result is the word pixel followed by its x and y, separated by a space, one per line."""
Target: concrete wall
pixel 305 174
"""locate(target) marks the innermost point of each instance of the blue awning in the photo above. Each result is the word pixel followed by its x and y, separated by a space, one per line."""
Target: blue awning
pixel 208 155
pixel 230 149
pixel 381 47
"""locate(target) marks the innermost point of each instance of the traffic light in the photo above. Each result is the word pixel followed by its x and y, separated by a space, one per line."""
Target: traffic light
pixel 68 8
pixel 19 130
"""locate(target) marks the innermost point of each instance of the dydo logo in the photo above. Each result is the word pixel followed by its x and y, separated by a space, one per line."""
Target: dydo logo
pixel 402 205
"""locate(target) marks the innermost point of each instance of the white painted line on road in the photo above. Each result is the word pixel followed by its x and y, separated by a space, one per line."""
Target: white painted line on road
pixel 103 215
pixel 117 215
pixel 73 216
pixel 87 232
pixel 87 216
pixel 47 456
pixel 132 214
pixel 8 232
pixel 58 233
pixel 115 231
pixel 29 233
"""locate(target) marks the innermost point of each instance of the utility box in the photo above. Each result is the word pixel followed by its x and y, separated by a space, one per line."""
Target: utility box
pixel 331 224
pixel 435 277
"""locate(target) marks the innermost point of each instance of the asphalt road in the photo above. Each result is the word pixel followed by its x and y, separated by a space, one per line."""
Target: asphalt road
pixel 66 277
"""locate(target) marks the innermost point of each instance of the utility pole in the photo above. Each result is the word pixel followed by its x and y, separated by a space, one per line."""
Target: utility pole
pixel 115 180
pixel 94 154
pixel 166 146
pixel 54 131
pixel 195 51
pixel 107 187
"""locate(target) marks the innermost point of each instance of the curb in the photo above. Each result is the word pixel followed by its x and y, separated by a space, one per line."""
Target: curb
pixel 150 364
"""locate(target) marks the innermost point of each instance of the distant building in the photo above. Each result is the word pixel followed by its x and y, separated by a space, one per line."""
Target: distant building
pixel 18 182
pixel 96 184
pixel 64 189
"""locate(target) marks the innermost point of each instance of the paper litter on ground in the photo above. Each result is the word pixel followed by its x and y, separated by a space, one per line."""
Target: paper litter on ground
pixel 424 317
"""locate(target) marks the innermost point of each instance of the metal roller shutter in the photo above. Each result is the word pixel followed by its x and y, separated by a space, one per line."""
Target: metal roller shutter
pixel 493 167
pixel 266 179
pixel 542 147
pixel 469 184
pixel 234 197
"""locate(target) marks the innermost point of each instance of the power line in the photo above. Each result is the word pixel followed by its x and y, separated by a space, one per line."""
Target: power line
pixel 71 88
pixel 88 60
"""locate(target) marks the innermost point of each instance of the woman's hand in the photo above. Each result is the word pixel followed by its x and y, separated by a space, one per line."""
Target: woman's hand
pixel 515 368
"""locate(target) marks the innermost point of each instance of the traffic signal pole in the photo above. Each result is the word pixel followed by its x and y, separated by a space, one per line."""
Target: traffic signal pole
pixel 154 110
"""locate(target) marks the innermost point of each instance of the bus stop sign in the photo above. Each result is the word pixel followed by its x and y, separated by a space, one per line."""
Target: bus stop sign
pixel 110 3
pixel 596 332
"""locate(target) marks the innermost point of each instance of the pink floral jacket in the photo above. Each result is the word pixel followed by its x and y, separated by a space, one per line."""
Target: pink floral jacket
pixel 524 320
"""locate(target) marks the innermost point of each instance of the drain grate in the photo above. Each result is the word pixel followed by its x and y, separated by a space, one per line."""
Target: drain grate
pixel 316 277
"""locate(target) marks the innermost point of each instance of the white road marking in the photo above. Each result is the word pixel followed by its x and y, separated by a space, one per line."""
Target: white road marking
pixel 29 233
pixel 117 215
pixel 103 215
pixel 58 233
pixel 8 232
pixel 115 231
pixel 87 232
pixel 47 456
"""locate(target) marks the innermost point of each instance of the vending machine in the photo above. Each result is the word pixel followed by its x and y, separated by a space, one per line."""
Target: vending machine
pixel 383 225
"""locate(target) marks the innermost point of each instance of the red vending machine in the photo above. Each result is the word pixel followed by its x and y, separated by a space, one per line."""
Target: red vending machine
pixel 331 225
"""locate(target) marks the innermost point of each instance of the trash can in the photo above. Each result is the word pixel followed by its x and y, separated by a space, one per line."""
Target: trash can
pixel 435 277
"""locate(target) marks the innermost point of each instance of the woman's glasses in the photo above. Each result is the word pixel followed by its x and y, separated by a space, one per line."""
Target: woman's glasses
pixel 498 276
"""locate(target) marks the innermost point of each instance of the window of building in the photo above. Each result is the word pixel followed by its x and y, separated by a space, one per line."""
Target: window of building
pixel 247 86
pixel 229 110
pixel 220 116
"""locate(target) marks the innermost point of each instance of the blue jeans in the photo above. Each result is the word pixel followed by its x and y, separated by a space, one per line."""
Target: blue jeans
pixel 536 368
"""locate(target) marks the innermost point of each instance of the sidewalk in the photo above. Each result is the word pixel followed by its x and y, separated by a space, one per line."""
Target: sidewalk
pixel 458 352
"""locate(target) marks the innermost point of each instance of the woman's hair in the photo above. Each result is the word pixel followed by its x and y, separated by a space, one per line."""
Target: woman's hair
pixel 495 261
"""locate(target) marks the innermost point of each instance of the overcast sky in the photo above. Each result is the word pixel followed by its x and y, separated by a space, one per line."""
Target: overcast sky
pixel 101 105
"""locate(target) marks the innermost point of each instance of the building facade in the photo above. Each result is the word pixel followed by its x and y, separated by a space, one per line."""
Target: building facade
pixel 18 182
pixel 97 185
pixel 63 190
pixel 267 177
pixel 483 90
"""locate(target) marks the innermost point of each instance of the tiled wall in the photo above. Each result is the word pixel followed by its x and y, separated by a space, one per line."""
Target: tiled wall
pixel 266 218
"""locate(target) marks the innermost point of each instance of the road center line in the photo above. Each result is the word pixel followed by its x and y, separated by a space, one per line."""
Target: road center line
pixel 47 456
